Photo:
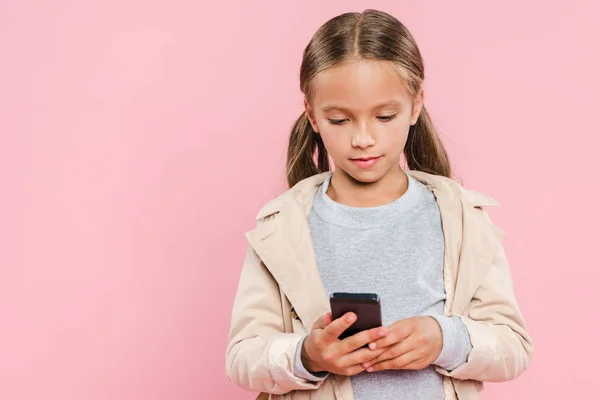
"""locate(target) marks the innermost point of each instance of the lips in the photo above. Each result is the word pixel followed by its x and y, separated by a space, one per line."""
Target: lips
pixel 364 158
pixel 365 162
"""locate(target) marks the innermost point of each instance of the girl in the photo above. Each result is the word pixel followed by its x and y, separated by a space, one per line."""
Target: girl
pixel 412 235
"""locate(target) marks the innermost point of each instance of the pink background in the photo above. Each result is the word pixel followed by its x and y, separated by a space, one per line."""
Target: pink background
pixel 140 138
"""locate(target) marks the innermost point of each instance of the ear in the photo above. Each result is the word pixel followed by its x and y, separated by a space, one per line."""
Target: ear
pixel 417 106
pixel 310 114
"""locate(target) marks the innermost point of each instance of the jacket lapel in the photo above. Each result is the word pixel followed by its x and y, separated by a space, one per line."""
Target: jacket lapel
pixel 450 211
pixel 284 244
pixel 470 240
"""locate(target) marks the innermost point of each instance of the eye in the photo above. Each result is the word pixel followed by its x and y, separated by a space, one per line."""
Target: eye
pixel 386 118
pixel 336 121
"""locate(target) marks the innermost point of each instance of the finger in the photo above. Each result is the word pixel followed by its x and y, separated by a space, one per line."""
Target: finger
pixel 396 363
pixel 419 364
pixel 360 357
pixel 353 370
pixel 361 339
pixel 323 321
pixel 398 332
pixel 338 326
pixel 394 351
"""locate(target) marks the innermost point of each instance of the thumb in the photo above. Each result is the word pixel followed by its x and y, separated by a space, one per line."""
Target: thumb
pixel 323 321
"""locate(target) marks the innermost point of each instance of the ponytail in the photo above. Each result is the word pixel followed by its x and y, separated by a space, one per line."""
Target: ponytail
pixel 424 149
pixel 304 142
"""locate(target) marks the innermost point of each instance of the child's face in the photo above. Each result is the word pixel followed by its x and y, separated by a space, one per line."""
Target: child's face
pixel 362 110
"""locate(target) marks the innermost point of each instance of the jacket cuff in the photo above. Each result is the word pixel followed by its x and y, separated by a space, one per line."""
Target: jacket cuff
pixel 456 342
pixel 301 372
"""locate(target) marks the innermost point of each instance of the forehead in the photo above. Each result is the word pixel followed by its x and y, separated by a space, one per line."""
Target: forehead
pixel 358 85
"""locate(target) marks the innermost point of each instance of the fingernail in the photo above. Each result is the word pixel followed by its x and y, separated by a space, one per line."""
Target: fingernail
pixel 367 364
pixel 370 369
pixel 351 318
pixel 372 346
pixel 382 332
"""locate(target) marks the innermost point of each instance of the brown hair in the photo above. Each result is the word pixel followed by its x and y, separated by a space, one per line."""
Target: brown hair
pixel 374 35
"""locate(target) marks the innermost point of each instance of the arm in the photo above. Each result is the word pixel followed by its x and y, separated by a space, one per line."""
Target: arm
pixel 259 355
pixel 502 348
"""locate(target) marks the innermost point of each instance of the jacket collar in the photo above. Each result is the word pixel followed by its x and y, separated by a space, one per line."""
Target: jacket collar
pixel 283 242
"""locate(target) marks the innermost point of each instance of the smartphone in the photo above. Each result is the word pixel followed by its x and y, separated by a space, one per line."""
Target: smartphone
pixel 366 306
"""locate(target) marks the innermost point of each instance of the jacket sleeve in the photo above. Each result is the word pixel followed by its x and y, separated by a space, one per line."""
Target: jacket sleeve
pixel 259 355
pixel 502 348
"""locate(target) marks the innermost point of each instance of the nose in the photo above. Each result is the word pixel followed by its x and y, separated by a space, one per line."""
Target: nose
pixel 362 140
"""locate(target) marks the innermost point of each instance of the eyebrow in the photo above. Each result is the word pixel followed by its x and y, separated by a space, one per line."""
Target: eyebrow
pixel 330 107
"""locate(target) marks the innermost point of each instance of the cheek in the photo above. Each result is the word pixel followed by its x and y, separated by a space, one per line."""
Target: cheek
pixel 402 125
pixel 395 132
pixel 399 136
pixel 335 142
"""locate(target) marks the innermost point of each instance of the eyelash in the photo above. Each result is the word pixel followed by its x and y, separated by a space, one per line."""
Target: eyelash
pixel 388 118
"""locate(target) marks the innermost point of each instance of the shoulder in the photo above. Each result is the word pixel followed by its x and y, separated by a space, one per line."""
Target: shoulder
pixel 475 198
pixel 301 193
pixel 474 204
pixel 275 205
pixel 478 199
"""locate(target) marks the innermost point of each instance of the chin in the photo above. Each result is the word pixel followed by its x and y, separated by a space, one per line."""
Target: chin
pixel 365 176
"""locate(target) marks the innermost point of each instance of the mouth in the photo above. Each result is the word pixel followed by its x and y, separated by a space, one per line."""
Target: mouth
pixel 365 162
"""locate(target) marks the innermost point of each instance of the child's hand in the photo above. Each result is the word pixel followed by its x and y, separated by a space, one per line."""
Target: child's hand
pixel 412 343
pixel 323 351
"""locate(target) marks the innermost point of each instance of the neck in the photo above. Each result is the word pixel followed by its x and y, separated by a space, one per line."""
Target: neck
pixel 348 191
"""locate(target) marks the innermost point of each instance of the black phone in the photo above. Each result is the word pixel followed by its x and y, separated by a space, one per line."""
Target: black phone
pixel 366 306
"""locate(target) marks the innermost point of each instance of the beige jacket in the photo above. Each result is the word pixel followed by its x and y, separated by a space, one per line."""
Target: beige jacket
pixel 280 273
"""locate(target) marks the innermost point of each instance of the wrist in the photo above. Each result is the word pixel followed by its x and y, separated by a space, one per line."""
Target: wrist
pixel 308 363
pixel 452 353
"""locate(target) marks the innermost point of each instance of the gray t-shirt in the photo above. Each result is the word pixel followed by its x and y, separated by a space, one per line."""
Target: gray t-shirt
pixel 397 251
